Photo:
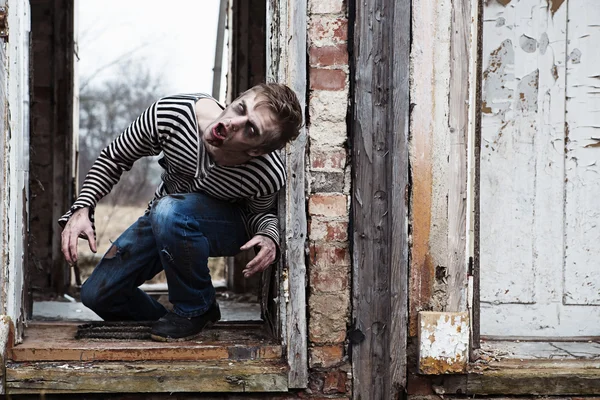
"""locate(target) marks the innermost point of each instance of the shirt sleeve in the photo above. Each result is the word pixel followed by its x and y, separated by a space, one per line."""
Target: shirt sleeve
pixel 261 213
pixel 140 139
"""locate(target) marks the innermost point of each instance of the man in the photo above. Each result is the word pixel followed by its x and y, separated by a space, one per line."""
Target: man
pixel 217 196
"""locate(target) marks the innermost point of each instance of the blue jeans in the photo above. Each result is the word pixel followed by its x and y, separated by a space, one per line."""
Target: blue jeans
pixel 178 234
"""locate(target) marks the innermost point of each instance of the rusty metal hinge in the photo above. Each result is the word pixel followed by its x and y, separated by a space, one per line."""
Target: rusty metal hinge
pixel 4 23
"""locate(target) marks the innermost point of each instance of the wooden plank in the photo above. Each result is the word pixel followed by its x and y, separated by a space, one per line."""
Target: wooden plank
pixel 4 179
pixel 145 377
pixel 380 192
pixel 56 342
pixel 286 63
pixel 527 377
pixel 430 74
pixel 460 51
pixel 399 193
pixel 534 381
pixel 17 53
pixel 6 341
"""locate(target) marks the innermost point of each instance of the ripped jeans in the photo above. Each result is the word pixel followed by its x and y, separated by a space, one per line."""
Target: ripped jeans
pixel 178 234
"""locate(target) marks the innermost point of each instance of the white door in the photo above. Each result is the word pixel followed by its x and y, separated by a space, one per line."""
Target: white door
pixel 540 169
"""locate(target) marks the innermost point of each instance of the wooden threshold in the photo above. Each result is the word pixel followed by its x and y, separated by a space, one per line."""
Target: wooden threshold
pixel 52 341
pixel 146 377
pixel 527 377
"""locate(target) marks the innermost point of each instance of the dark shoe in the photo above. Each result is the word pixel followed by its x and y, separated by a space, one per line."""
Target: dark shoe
pixel 173 328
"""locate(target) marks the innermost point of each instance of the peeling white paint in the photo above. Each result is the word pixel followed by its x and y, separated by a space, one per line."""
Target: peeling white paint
pixel 539 185
pixel 443 342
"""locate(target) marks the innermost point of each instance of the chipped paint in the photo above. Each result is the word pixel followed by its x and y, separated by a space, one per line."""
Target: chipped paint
pixel 544 42
pixel 430 74
pixel 554 72
pixel 528 44
pixel 496 94
pixel 554 5
pixel 528 93
pixel 443 342
pixel 575 56
pixel 504 2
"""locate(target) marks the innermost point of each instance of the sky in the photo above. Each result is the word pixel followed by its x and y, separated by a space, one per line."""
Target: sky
pixel 176 41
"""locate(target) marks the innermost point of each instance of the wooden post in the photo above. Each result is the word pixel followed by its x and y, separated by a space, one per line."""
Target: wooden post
pixel 286 63
pixel 380 88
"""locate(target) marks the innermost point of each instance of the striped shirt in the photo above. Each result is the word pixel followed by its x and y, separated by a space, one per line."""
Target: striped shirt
pixel 170 126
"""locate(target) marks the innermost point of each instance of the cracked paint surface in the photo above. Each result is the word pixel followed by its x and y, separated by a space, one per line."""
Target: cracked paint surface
pixel 443 342
pixel 540 146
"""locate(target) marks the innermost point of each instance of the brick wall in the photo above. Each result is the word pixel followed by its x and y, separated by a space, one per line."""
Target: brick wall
pixel 328 203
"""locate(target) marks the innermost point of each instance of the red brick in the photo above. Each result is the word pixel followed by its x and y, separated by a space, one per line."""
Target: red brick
pixel 330 278
pixel 326 6
pixel 326 356
pixel 327 56
pixel 328 317
pixel 335 382
pixel 328 230
pixel 329 29
pixel 329 158
pixel 330 205
pixel 323 254
pixel 327 79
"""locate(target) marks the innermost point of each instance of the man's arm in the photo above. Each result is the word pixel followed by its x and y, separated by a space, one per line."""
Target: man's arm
pixel 264 225
pixel 140 139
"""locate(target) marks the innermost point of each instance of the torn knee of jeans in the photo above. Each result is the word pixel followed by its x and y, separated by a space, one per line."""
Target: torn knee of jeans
pixel 165 251
pixel 112 252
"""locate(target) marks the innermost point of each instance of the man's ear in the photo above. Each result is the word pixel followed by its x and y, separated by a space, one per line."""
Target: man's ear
pixel 255 152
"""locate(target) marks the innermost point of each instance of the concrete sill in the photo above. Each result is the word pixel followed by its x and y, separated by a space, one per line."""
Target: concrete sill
pixel 526 377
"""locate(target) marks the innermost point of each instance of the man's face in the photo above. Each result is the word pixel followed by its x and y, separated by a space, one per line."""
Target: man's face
pixel 241 127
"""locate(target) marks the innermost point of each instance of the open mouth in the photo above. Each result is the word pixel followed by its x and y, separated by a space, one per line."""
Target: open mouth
pixel 218 132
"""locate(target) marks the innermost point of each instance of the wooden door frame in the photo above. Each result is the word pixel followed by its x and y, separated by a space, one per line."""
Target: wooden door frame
pixel 15 163
pixel 380 32
pixel 286 63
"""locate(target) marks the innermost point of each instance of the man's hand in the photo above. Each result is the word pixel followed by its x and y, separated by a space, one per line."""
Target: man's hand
pixel 78 225
pixel 265 256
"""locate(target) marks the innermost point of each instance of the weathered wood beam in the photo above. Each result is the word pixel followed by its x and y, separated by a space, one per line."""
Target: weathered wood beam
pixel 460 51
pixel 527 377
pixel 380 84
pixel 56 342
pixel 286 63
pixel 145 377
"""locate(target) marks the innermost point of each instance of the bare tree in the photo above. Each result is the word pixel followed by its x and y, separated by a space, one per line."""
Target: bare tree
pixel 106 109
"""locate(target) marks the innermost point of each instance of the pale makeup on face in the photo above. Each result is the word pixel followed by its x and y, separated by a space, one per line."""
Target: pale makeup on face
pixel 233 136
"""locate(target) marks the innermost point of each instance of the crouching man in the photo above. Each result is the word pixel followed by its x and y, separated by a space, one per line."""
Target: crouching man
pixel 221 174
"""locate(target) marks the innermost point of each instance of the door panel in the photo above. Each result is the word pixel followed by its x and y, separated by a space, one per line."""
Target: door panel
pixel 582 213
pixel 539 177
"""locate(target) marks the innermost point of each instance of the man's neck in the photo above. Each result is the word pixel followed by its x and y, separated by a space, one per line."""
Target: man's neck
pixel 225 158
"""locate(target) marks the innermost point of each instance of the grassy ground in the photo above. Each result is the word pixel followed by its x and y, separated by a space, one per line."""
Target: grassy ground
pixel 110 223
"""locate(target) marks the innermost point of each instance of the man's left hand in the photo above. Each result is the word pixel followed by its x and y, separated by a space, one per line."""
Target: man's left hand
pixel 264 257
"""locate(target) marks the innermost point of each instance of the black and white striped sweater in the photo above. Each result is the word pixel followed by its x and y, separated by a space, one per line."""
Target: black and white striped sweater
pixel 170 126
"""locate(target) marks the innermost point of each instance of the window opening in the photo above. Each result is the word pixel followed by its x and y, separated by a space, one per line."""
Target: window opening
pixel 124 64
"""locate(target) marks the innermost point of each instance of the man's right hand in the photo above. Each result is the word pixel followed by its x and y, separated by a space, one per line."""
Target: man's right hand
pixel 78 225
